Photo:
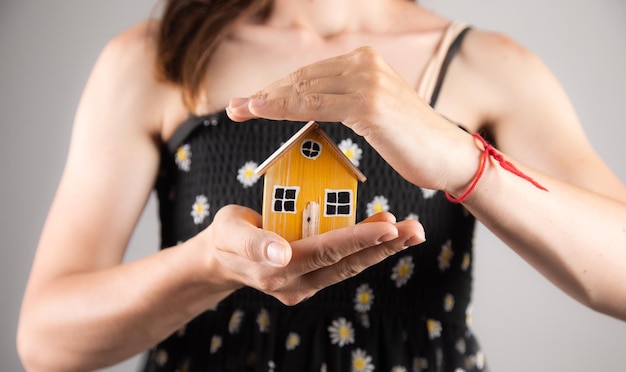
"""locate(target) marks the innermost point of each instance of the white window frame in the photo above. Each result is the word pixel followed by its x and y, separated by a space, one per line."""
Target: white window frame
pixel 283 199
pixel 337 204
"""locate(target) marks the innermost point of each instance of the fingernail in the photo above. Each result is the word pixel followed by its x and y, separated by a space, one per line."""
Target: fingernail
pixel 237 102
pixel 387 237
pixel 414 240
pixel 276 254
pixel 257 102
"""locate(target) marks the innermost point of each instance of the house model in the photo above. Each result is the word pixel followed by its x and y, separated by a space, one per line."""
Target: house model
pixel 310 186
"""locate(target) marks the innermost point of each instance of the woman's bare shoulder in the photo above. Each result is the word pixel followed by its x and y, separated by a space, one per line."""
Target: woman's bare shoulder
pixel 498 68
pixel 126 69
pixel 131 48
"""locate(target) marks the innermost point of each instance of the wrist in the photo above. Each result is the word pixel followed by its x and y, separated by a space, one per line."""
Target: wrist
pixel 468 160
pixel 488 153
pixel 203 269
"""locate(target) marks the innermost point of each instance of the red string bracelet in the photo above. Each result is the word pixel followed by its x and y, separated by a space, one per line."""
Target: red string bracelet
pixel 487 152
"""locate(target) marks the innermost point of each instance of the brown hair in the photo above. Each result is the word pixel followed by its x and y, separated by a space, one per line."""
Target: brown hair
pixel 189 33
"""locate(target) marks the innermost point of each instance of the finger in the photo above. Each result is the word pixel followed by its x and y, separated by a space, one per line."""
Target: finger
pixel 237 231
pixel 329 248
pixel 380 217
pixel 314 106
pixel 325 99
pixel 409 233
pixel 311 106
pixel 331 67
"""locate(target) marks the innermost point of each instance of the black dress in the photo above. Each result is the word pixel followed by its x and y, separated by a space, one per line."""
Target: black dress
pixel 410 312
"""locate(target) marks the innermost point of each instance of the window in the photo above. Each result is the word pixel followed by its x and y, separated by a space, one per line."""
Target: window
pixel 311 149
pixel 338 203
pixel 284 199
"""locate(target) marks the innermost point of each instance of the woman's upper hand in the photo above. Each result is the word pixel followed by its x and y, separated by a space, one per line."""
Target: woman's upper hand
pixel 360 90
pixel 243 254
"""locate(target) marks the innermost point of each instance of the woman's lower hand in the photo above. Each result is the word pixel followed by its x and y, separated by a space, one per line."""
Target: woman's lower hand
pixel 244 254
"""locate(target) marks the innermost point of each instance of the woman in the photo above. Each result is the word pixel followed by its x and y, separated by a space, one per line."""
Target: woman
pixel 136 130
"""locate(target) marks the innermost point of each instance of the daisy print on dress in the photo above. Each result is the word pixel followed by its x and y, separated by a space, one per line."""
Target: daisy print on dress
pixel 182 157
pixel 351 150
pixel 420 364
pixel 448 302
pixel 412 216
pixel 434 328
pixel 216 344
pixel 468 316
pixel 460 346
pixel 378 204
pixel 445 256
pixel 293 340
pixel 263 320
pixel 364 319
pixel 200 209
pixel 160 357
pixel 341 332
pixel 465 263
pixel 402 271
pixel 428 193
pixel 247 175
pixel 480 360
pixel 364 298
pixel 235 322
pixel 361 362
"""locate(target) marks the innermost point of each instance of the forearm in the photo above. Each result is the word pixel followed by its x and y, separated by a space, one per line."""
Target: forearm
pixel 576 238
pixel 85 321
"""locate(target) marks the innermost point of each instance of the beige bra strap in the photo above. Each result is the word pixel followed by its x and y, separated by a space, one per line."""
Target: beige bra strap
pixel 433 68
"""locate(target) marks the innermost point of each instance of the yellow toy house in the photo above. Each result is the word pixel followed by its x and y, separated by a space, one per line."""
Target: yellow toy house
pixel 310 186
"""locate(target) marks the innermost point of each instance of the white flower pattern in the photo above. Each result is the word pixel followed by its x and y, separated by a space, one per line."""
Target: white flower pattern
pixel 216 344
pixel 200 209
pixel 182 157
pixel 293 340
pixel 402 271
pixel 448 302
pixel 465 263
pixel 377 205
pixel 247 175
pixel 361 361
pixel 412 216
pixel 351 150
pixel 341 332
pixel 460 346
pixel 161 357
pixel 434 328
pixel 445 256
pixel 235 322
pixel 263 320
pixel 420 364
pixel 364 298
pixel 428 193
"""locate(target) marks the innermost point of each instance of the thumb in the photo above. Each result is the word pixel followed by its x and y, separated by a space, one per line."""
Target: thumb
pixel 239 231
pixel 277 253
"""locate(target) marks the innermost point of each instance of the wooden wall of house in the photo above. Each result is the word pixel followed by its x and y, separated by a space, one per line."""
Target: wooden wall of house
pixel 313 177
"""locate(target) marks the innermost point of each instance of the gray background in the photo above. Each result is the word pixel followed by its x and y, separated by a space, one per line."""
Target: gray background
pixel 523 322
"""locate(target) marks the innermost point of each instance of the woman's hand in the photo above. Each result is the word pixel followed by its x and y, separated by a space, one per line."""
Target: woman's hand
pixel 245 254
pixel 362 91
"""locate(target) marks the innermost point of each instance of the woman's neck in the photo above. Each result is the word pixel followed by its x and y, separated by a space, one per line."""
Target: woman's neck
pixel 329 18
